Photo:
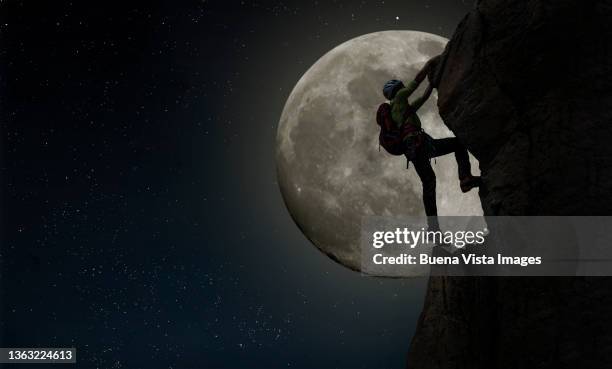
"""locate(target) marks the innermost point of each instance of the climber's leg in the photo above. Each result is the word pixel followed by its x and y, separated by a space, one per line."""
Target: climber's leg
pixel 428 179
pixel 446 146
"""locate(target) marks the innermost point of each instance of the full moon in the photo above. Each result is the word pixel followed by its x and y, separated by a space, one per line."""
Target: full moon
pixel 331 171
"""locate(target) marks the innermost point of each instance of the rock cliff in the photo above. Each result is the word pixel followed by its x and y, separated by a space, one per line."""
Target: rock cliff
pixel 527 87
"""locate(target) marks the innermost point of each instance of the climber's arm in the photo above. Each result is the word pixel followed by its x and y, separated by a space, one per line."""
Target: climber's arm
pixel 420 77
pixel 427 71
pixel 403 94
pixel 416 104
pixel 428 68
pixel 413 85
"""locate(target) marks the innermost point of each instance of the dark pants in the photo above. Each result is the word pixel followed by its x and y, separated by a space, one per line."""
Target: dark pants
pixel 430 149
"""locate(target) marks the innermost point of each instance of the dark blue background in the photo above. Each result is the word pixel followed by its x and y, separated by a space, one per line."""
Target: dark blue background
pixel 141 219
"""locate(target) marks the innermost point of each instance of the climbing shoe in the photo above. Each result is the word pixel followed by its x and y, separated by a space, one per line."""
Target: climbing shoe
pixel 467 183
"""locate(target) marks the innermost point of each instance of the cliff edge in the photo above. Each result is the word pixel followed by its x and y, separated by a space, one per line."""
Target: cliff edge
pixel 527 87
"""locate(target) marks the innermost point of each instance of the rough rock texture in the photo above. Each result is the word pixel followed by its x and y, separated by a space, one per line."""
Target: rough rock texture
pixel 527 86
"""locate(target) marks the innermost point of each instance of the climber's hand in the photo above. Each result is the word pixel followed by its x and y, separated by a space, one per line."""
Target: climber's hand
pixel 428 70
pixel 432 68
pixel 431 76
pixel 435 61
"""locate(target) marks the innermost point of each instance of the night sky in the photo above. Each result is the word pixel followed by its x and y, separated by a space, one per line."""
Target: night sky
pixel 141 218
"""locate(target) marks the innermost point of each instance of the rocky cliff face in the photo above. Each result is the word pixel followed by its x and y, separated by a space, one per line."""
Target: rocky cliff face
pixel 527 86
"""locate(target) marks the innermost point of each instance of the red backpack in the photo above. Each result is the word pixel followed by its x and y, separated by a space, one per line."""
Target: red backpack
pixel 391 136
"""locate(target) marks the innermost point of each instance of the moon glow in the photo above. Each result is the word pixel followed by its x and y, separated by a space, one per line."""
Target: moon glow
pixel 331 171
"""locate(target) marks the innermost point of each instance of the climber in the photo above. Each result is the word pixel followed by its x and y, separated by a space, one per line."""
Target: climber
pixel 401 134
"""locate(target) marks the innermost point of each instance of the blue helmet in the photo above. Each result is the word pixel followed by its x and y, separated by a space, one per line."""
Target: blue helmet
pixel 391 88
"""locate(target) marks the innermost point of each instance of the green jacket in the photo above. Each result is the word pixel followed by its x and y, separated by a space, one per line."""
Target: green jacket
pixel 400 104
